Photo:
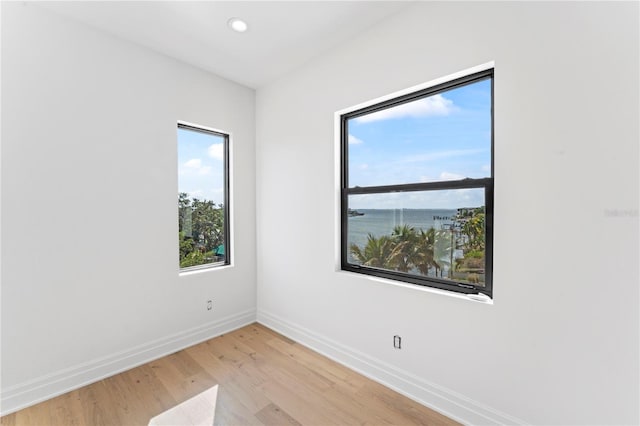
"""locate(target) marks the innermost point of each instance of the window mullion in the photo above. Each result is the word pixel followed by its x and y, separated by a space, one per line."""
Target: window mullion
pixel 423 186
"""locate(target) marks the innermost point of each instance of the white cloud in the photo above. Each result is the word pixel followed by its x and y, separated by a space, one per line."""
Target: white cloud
pixel 213 194
pixel 354 141
pixel 194 166
pixel 486 168
pixel 363 166
pixel 443 176
pixel 436 105
pixel 450 176
pixel 439 155
pixel 195 163
pixel 216 151
pixel 196 193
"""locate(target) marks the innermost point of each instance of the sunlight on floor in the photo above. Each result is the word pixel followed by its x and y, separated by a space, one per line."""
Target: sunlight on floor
pixel 199 410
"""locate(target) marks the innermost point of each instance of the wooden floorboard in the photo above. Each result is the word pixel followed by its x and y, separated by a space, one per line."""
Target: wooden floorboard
pixel 263 378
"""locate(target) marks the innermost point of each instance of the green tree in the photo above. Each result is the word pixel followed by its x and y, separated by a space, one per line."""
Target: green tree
pixel 193 259
pixel 376 253
pixel 403 250
pixel 208 224
pixel 406 250
pixel 474 230
pixel 473 261
pixel 200 229
pixel 426 259
pixel 184 214
pixel 186 245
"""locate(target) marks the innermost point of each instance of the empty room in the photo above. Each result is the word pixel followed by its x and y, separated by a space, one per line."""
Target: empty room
pixel 320 213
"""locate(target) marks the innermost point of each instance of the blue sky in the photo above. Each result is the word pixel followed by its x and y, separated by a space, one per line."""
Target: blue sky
pixel 201 165
pixel 443 137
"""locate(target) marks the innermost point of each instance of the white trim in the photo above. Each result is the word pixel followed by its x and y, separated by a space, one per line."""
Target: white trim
pixel 193 270
pixel 436 397
pixel 25 394
pixel 200 126
pixel 479 298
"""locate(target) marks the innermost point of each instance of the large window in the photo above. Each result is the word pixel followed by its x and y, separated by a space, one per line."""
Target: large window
pixel 417 187
pixel 203 197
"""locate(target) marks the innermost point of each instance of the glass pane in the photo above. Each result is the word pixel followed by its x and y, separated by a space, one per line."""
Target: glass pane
pixel 427 233
pixel 442 137
pixel 201 195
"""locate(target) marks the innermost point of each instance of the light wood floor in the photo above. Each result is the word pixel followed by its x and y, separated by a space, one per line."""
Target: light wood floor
pixel 263 378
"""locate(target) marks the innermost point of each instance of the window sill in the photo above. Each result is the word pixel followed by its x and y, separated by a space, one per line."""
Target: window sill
pixel 478 298
pixel 203 269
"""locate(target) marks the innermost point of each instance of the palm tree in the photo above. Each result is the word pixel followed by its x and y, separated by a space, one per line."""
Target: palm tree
pixel 405 252
pixel 376 253
pixel 425 247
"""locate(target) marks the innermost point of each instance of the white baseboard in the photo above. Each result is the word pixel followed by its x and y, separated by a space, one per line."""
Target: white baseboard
pixel 438 398
pixel 46 387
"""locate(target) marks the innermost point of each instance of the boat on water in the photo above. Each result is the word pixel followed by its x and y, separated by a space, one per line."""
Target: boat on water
pixel 352 213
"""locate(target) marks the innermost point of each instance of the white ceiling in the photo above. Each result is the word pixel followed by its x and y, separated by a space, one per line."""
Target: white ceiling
pixel 282 35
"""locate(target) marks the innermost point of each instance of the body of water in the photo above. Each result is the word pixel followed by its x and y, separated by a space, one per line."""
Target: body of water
pixel 381 222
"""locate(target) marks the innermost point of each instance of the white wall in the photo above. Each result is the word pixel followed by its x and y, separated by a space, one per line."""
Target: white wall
pixel 89 215
pixel 560 343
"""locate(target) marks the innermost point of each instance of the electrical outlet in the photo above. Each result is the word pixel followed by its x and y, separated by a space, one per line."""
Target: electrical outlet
pixel 397 342
pixel 209 305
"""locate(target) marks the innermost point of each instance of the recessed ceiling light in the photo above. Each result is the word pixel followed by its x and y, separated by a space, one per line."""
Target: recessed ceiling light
pixel 237 25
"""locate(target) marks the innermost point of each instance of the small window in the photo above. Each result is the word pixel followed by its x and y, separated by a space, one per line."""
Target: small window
pixel 417 187
pixel 203 197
